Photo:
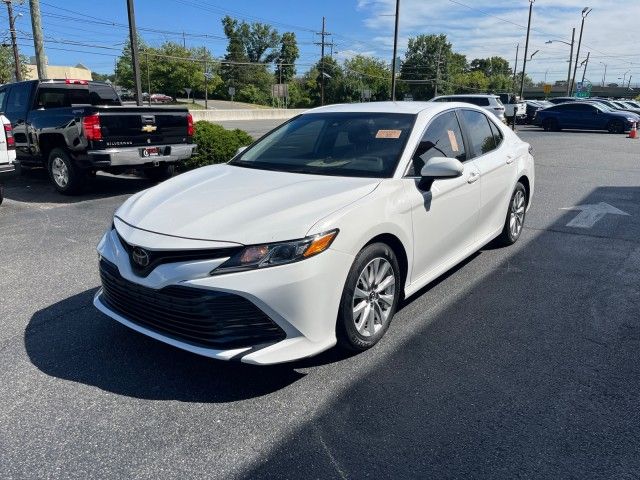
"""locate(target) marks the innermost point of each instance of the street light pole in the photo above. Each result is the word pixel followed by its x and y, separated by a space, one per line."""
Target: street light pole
pixel 135 61
pixel 573 40
pixel 586 64
pixel 526 49
pixel 604 76
pixel 395 52
pixel 585 11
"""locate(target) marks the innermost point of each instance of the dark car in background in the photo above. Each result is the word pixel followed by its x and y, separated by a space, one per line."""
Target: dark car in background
pixel 532 107
pixel 584 116
pixel 559 100
pixel 616 106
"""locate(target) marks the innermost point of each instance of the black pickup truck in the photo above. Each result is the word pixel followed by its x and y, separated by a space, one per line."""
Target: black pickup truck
pixel 76 127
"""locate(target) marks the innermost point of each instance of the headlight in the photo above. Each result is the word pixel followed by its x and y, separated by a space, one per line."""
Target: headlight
pixel 272 254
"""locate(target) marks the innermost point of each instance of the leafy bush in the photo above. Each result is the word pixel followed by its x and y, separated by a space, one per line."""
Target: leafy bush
pixel 216 144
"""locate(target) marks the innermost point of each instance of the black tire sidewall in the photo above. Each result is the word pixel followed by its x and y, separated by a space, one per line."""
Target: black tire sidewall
pixel 159 174
pixel 348 336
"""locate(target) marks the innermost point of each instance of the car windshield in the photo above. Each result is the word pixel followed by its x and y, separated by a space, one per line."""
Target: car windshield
pixel 343 144
pixel 603 106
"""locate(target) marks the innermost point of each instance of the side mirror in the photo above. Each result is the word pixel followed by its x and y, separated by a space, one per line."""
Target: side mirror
pixel 442 167
pixel 240 150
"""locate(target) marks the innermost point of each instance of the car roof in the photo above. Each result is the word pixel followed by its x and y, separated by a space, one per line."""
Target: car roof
pixel 474 95
pixel 389 107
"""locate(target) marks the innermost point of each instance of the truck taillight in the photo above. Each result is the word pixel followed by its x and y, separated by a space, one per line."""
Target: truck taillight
pixel 71 81
pixel 91 126
pixel 8 132
pixel 190 128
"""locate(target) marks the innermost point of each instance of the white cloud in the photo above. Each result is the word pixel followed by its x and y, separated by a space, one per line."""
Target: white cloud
pixel 609 33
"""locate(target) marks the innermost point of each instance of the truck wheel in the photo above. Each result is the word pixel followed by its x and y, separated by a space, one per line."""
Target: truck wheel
pixel 159 174
pixel 65 175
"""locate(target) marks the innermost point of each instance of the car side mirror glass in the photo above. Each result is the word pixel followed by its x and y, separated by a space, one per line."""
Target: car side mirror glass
pixel 442 167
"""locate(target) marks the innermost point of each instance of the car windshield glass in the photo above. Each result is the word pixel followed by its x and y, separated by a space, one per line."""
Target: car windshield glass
pixel 344 144
pixel 603 106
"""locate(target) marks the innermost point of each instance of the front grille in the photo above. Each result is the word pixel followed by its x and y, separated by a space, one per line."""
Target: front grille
pixel 158 257
pixel 204 318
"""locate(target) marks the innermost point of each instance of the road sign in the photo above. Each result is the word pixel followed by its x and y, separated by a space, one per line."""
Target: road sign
pixel 280 90
pixel 547 88
pixel 232 91
pixel 590 214
pixel 366 93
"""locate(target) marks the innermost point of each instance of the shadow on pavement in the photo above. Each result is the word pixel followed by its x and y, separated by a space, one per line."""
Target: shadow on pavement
pixel 34 186
pixel 532 372
pixel 73 341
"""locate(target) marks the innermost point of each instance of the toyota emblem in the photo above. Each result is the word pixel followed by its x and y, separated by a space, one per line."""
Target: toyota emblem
pixel 140 257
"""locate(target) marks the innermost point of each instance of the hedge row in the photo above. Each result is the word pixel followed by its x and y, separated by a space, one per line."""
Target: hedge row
pixel 216 144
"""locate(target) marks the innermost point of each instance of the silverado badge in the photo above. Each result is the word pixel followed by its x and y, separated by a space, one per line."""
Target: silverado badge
pixel 149 128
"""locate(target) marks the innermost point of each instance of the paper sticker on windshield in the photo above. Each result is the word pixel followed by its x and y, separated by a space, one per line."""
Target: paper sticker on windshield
pixel 453 141
pixel 388 133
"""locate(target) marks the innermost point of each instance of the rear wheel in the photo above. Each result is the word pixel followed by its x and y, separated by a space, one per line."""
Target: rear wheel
pixel 370 298
pixel 514 222
pixel 1 194
pixel 65 175
pixel 615 126
pixel 159 174
pixel 550 125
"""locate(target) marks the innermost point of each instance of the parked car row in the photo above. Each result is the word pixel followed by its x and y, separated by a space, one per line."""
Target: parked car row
pixel 74 128
pixel 591 114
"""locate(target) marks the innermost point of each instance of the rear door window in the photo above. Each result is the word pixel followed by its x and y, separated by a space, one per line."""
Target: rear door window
pixel 442 138
pixel 18 101
pixel 479 134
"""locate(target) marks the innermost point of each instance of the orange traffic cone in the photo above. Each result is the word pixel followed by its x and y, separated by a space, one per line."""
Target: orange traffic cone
pixel 633 133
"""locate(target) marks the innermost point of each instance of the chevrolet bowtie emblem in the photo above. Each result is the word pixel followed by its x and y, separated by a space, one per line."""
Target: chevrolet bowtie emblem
pixel 149 128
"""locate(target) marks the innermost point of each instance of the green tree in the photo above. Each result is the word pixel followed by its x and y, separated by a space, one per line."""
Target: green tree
pixel 428 59
pixel 491 66
pixel 471 82
pixel 7 66
pixel 363 72
pixel 286 58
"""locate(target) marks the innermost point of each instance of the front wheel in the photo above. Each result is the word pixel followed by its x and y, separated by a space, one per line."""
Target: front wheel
pixel 615 126
pixel 514 222
pixel 369 299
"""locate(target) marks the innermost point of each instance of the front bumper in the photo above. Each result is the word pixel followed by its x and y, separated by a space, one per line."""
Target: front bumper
pixel 131 156
pixel 301 298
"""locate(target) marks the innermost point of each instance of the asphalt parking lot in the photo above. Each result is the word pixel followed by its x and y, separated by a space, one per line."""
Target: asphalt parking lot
pixel 523 362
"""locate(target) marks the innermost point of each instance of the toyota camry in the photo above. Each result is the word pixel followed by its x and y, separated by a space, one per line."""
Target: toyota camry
pixel 314 234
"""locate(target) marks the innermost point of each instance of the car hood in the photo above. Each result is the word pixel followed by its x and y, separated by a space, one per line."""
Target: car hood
pixel 241 205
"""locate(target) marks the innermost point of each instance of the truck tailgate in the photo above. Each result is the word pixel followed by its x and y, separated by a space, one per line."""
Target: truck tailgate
pixel 139 126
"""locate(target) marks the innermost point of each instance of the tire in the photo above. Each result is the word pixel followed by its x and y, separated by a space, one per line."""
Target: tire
pixel 1 194
pixel 515 213
pixel 66 177
pixel 355 331
pixel 615 126
pixel 159 174
pixel 550 125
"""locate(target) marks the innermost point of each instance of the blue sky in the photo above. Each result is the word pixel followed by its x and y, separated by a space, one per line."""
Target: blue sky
pixel 81 31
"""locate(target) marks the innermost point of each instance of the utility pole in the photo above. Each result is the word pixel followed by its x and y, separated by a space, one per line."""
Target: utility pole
pixel 395 52
pixel 146 57
pixel 573 41
pixel 435 90
pixel 586 63
pixel 515 69
pixel 206 84
pixel 526 50
pixel 135 63
pixel 38 42
pixel 585 11
pixel 184 41
pixel 14 42
pixel 629 85
pixel 322 44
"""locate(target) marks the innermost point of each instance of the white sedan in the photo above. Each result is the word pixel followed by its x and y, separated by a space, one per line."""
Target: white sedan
pixel 313 235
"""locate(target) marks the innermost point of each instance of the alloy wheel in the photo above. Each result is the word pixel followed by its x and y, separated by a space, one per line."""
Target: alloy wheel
pixel 373 296
pixel 60 172
pixel 516 214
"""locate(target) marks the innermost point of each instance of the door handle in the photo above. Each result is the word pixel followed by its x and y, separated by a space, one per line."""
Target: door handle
pixel 510 159
pixel 473 177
